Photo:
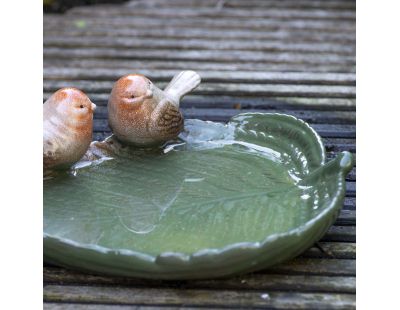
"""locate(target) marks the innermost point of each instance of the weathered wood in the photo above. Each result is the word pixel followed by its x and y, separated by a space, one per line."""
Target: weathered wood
pixel 331 91
pixel 78 306
pixel 259 4
pixel 198 44
pixel 349 203
pixel 235 76
pixel 177 297
pixel 279 35
pixel 203 56
pixel 311 266
pixel 156 64
pixel 339 145
pixel 335 131
pixel 314 117
pixel 333 106
pixel 255 281
pixel 326 104
pixel 340 234
pixel 204 13
pixel 263 25
pixel 292 56
pixel 351 187
pixel 346 217
pixel 334 250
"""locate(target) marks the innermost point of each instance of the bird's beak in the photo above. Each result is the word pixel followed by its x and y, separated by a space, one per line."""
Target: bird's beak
pixel 93 106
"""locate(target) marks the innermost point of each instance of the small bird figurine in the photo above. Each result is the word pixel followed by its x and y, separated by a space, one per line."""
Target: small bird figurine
pixel 141 114
pixel 67 127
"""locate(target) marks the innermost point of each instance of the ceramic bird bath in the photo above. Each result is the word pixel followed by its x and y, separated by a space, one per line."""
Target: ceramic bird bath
pixel 220 200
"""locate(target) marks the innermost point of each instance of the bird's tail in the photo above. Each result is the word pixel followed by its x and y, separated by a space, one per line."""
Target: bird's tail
pixel 181 84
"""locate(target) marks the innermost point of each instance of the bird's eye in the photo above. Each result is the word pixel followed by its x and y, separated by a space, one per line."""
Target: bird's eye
pixel 81 106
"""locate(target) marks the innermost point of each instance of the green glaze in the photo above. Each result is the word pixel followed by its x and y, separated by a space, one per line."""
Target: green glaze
pixel 224 199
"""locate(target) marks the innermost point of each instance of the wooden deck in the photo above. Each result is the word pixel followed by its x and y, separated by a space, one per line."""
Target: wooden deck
pixel 289 56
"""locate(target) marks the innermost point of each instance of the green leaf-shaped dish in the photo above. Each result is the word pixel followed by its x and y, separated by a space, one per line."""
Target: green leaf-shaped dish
pixel 225 199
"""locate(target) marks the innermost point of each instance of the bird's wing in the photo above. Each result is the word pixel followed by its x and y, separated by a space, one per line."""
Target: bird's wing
pixel 54 133
pixel 168 118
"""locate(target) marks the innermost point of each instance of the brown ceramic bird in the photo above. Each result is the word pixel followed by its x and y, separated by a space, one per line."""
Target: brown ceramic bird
pixel 139 113
pixel 67 127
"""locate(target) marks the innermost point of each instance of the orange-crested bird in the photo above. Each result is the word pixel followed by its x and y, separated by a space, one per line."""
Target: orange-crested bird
pixel 67 127
pixel 141 114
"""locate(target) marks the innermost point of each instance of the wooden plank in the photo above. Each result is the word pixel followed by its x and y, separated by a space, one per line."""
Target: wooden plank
pixel 334 250
pixel 204 13
pixel 349 203
pixel 259 4
pixel 334 105
pixel 203 55
pixel 233 76
pixel 351 188
pixel 339 145
pixel 255 281
pixel 78 306
pixel 327 91
pixel 156 64
pixel 323 103
pixel 311 266
pixel 335 131
pixel 68 21
pixel 196 44
pixel 177 297
pixel 346 217
pixel 340 234
pixel 232 24
pixel 280 35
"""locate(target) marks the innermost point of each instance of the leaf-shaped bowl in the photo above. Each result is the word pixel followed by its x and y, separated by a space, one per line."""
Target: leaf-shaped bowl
pixel 225 199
